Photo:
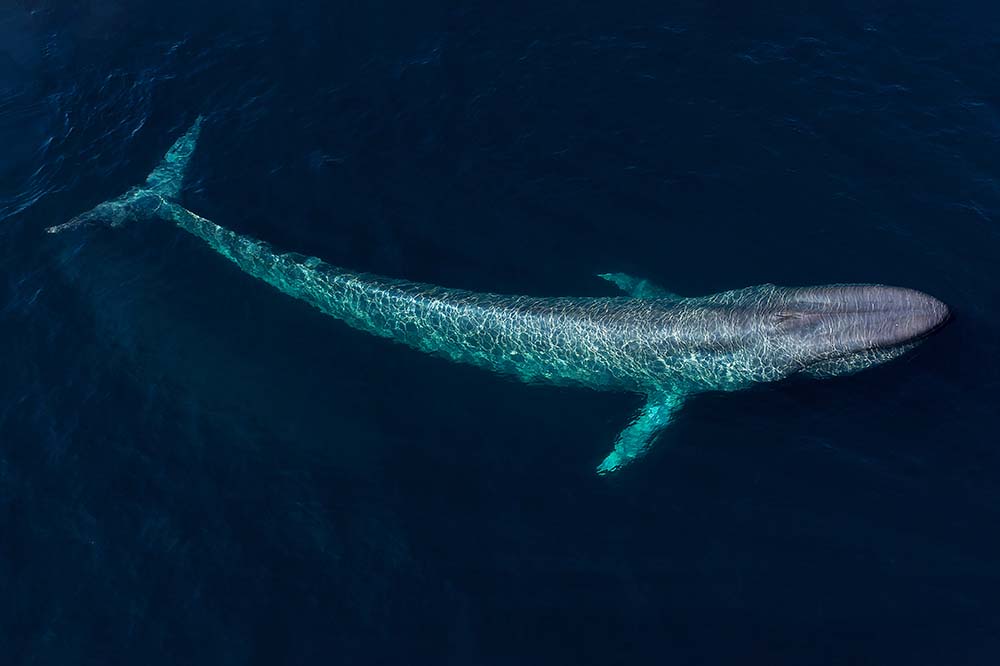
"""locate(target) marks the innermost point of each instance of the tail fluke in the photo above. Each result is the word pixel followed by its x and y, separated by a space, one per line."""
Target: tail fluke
pixel 162 186
pixel 167 178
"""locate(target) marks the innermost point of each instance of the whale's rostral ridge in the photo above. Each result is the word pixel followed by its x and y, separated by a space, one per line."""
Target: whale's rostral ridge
pixel 652 342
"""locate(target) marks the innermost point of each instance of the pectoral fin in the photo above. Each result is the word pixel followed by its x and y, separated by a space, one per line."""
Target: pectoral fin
pixel 639 434
pixel 637 287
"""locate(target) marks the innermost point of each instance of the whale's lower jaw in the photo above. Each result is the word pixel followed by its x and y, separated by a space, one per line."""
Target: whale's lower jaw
pixel 856 362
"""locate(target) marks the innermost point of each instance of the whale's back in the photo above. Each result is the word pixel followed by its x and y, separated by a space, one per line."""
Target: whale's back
pixel 596 342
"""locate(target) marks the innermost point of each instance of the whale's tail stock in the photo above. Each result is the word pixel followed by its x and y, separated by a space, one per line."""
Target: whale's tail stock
pixel 162 187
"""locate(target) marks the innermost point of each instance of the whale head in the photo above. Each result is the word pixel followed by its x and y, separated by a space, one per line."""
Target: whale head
pixel 840 329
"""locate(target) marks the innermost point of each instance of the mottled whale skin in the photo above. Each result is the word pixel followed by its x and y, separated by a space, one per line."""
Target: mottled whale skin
pixel 663 346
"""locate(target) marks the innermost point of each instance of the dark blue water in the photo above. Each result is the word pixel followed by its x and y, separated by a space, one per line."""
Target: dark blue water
pixel 195 469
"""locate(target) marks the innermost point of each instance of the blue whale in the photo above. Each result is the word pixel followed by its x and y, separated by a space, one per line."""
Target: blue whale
pixel 651 342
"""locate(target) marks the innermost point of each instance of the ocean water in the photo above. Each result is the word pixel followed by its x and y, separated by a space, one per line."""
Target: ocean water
pixel 196 469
